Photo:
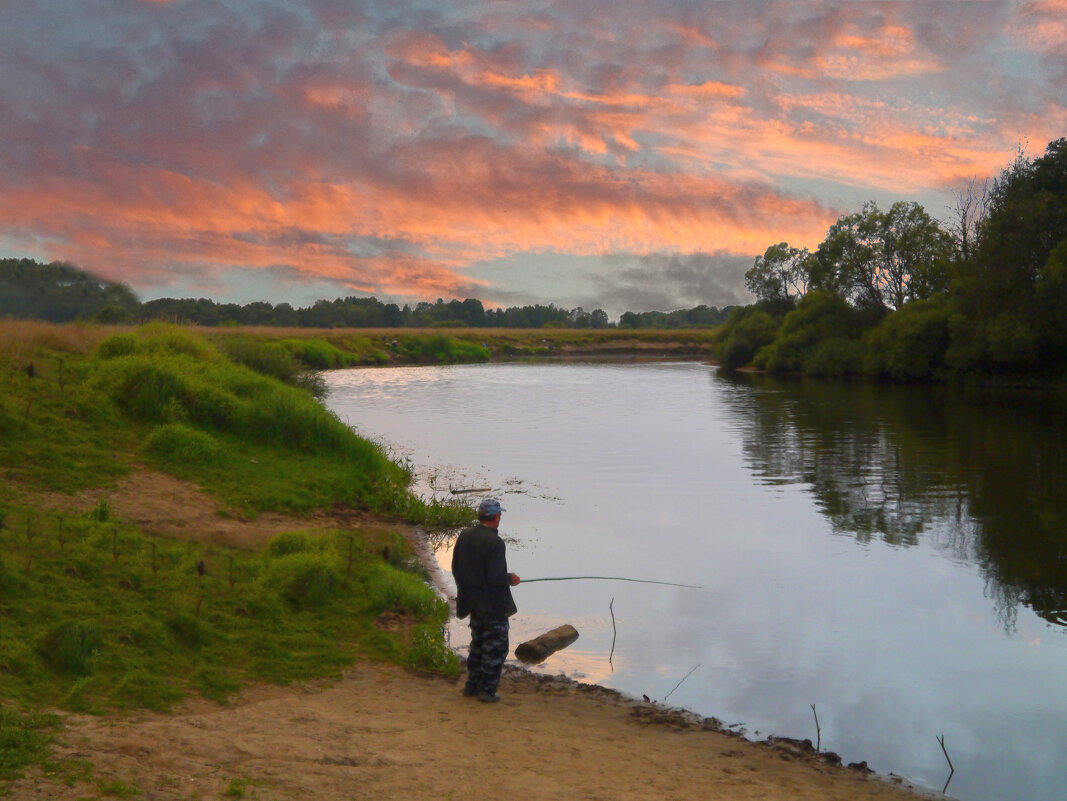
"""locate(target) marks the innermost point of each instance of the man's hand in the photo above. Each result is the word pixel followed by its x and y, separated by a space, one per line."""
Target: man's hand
pixel 514 579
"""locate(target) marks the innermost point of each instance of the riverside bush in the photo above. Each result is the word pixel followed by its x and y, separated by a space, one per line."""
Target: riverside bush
pixel 390 588
pixel 818 317
pixel 748 330
pixel 911 343
pixel 441 349
pixel 429 652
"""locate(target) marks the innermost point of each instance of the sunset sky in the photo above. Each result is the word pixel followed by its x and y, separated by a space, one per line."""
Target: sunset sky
pixel 631 155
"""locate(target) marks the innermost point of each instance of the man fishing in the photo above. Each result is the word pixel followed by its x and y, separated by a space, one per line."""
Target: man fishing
pixel 483 585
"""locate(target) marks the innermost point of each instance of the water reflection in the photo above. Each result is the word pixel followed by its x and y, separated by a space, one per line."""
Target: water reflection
pixel 977 474
pixel 859 571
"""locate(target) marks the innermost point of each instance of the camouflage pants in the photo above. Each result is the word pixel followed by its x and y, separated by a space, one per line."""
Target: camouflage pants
pixel 489 648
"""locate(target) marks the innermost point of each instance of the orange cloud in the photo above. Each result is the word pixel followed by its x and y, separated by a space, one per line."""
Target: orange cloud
pixel 391 152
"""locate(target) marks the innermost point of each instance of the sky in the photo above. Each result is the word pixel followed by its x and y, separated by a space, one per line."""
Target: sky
pixel 624 156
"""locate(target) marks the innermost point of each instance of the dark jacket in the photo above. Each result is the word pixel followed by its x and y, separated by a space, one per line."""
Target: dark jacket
pixel 480 569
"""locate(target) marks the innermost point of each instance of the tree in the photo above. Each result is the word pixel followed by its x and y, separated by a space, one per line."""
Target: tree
pixel 971 210
pixel 781 273
pixel 882 260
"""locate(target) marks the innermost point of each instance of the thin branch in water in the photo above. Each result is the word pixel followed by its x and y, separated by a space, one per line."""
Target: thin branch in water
pixel 818 731
pixel 679 684
pixel 614 633
pixel 952 770
pixel 611 578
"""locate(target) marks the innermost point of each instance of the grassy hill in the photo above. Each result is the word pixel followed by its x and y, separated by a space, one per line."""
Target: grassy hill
pixel 98 614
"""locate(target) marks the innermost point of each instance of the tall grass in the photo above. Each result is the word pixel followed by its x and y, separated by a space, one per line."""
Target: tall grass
pixel 113 617
pixel 187 387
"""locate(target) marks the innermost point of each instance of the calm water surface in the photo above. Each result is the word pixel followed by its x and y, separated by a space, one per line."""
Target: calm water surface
pixel 895 556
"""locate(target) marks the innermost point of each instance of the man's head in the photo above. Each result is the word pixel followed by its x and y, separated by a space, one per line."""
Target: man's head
pixel 489 510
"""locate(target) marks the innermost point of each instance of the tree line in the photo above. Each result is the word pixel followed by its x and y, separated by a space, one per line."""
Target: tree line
pixel 895 294
pixel 60 292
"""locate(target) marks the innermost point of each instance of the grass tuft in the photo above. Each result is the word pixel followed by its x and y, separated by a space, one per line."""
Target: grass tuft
pixel 305 580
pixel 177 442
pixel 72 647
pixel 289 542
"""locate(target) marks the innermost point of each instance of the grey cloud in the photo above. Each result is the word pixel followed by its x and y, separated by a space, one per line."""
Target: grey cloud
pixel 669 281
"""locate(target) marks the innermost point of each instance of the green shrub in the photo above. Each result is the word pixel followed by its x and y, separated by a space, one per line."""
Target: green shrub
pixel 910 344
pixel 186 628
pixel 266 358
pixel 176 442
pixel 819 316
pixel 390 588
pixel 748 330
pixel 118 345
pixel 305 580
pixel 441 349
pixel 1012 343
pixel 834 358
pixel 72 647
pixel 163 338
pixel 429 652
pixel 317 354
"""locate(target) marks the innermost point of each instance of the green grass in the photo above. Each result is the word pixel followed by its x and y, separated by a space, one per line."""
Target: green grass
pixel 95 615
pixel 112 618
pixel 25 739
pixel 381 346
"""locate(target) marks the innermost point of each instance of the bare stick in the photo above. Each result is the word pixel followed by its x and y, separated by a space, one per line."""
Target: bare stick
pixel 465 491
pixel 818 731
pixel 679 684
pixel 612 578
pixel 614 634
pixel 952 770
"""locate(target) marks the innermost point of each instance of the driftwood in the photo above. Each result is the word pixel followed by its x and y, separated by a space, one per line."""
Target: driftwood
pixel 540 648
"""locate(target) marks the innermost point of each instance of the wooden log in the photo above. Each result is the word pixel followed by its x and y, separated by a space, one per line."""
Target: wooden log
pixel 540 648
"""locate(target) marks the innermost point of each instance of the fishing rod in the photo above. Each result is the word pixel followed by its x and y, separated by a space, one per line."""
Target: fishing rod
pixel 611 578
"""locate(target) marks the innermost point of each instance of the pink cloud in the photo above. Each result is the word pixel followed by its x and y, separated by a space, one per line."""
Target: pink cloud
pixel 391 149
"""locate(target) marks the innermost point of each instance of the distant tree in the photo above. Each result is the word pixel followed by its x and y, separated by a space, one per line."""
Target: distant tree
pixel 59 292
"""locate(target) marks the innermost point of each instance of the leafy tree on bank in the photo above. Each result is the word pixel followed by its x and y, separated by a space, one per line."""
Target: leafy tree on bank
pixel 1013 291
pixel 989 298
pixel 882 260
pixel 782 273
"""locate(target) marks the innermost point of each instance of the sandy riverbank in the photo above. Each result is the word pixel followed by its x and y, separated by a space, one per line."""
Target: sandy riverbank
pixel 383 732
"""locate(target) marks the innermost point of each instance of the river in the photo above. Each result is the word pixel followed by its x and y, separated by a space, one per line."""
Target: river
pixel 894 556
